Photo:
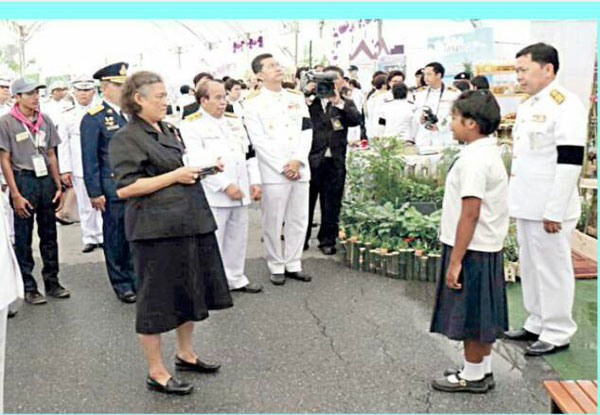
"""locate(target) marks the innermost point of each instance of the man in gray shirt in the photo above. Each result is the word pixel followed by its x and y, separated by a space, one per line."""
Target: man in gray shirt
pixel 28 141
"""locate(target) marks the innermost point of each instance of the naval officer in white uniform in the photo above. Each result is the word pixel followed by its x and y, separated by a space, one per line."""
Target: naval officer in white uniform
pixel 549 140
pixel 70 162
pixel 211 134
pixel 280 130
pixel 12 287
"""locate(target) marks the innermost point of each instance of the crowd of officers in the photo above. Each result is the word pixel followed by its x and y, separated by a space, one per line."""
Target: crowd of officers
pixel 56 149
pixel 282 144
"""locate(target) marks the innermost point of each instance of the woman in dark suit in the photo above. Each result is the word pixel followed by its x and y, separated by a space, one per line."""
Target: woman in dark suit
pixel 171 230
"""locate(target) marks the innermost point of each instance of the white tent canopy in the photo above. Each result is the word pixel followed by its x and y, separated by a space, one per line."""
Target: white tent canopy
pixel 178 49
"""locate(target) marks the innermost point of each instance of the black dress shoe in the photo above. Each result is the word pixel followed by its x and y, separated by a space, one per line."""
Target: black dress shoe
pixel 300 276
pixel 463 385
pixel 58 292
pixel 277 279
pixel 12 313
pixel 198 366
pixel 128 297
pixel 35 298
pixel 328 250
pixel 88 248
pixel 63 222
pixel 173 386
pixel 488 377
pixel 251 288
pixel 540 348
pixel 521 334
pixel 101 246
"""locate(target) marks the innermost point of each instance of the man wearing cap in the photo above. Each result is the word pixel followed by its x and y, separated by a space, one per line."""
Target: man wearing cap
pixel 56 103
pixel 69 160
pixel 28 141
pixel 97 128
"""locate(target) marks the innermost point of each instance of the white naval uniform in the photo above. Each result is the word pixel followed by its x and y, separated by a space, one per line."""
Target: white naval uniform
pixel 11 284
pixel 549 140
pixel 54 109
pixel 206 139
pixel 395 119
pixel 5 196
pixel 280 130
pixel 372 108
pixel 440 101
pixel 69 161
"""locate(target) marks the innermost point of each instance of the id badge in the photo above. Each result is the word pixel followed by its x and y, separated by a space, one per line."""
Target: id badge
pixel 336 123
pixel 39 165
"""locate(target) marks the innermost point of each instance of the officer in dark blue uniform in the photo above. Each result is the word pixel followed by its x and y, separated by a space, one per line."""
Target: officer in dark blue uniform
pixel 98 126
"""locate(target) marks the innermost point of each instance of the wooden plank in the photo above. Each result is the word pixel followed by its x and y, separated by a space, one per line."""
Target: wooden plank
pixel 562 398
pixel 580 397
pixel 590 390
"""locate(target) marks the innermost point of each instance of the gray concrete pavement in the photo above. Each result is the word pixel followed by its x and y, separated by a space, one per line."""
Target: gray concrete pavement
pixel 347 342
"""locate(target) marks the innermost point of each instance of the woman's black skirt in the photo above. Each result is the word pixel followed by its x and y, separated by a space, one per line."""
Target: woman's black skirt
pixel 478 311
pixel 180 279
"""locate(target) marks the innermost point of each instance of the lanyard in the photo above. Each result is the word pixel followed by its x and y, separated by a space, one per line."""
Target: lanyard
pixel 440 100
pixel 34 140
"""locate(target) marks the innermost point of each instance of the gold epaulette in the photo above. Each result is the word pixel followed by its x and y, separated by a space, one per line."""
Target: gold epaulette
pixel 293 91
pixel 253 94
pixel 96 109
pixel 231 115
pixel 421 88
pixel 193 116
pixel 557 96
pixel 452 88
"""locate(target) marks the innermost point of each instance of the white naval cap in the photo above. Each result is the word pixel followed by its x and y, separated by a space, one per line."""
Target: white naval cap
pixel 57 84
pixel 5 80
pixel 83 82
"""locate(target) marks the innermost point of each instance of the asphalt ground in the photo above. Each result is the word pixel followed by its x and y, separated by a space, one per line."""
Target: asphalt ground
pixel 347 342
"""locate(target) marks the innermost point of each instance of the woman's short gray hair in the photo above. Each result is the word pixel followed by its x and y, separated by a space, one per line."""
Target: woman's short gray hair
pixel 137 83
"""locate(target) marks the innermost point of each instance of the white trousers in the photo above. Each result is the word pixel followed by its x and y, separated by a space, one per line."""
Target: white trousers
pixel 232 237
pixel 8 214
pixel 547 280
pixel 285 202
pixel 3 317
pixel 90 218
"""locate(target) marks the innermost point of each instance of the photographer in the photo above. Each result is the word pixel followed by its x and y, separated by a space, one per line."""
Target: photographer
pixel 331 115
pixel 432 109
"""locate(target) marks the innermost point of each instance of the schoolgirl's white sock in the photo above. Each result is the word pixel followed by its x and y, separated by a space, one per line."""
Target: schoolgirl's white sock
pixel 487 364
pixel 472 371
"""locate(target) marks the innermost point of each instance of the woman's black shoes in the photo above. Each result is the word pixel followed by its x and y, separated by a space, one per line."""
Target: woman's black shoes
pixel 198 366
pixel 173 386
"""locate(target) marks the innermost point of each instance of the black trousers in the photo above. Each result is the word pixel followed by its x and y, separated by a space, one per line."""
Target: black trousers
pixel 326 184
pixel 117 252
pixel 39 192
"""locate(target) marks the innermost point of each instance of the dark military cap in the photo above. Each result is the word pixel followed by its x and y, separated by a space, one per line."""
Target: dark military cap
pixel 116 72
pixel 462 76
pixel 353 68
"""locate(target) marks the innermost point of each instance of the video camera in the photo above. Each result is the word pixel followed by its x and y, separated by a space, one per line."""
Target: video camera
pixel 324 80
pixel 430 118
